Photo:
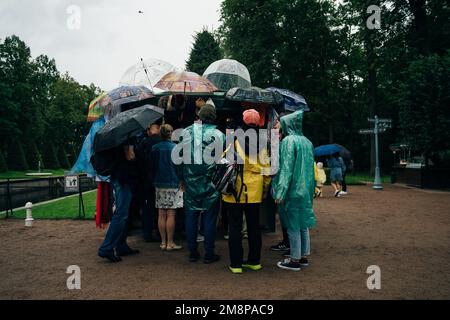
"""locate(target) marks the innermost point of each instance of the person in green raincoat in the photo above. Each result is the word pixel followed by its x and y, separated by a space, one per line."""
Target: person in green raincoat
pixel 195 174
pixel 293 189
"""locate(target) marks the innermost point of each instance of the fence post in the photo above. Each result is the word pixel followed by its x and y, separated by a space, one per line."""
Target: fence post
pixel 29 219
pixel 8 199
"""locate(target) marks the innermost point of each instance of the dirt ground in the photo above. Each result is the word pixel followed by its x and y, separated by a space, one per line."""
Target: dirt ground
pixel 405 231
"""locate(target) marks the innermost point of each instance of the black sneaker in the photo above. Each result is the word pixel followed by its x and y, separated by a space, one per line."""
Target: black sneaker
pixel 129 252
pixel 288 264
pixel 279 247
pixel 304 262
pixel 287 254
pixel 194 256
pixel 211 259
pixel 110 256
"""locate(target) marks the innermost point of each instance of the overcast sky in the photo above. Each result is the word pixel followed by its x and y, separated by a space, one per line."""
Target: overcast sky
pixel 112 34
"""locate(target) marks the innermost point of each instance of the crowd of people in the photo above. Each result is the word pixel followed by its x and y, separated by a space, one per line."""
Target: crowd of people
pixel 147 172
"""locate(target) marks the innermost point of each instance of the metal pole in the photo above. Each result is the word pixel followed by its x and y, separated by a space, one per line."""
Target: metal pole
pixel 377 182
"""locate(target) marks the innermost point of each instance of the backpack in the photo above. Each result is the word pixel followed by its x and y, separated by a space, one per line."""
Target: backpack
pixel 104 162
pixel 225 176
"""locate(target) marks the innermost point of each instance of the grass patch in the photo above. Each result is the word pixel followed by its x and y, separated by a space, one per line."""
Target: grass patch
pixel 66 208
pixel 23 174
pixel 363 178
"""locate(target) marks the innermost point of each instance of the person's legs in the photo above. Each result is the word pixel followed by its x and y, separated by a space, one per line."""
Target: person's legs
pixel 296 244
pixel 191 223
pixel 344 184
pixel 305 243
pixel 286 241
pixel 162 218
pixel 235 235
pixel 147 212
pixel 254 233
pixel 170 226
pixel 210 224
pixel 116 233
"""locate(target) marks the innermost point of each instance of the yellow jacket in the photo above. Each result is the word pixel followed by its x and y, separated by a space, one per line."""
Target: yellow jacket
pixel 256 178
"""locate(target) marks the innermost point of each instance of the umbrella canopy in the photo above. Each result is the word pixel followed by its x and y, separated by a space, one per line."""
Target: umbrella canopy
pixel 227 74
pixel 125 125
pixel 254 95
pixel 330 149
pixel 292 100
pixel 94 110
pixel 146 73
pixel 112 101
pixel 344 152
pixel 185 82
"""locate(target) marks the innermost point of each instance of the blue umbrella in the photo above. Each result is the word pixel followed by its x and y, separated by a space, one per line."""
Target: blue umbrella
pixel 326 150
pixel 292 100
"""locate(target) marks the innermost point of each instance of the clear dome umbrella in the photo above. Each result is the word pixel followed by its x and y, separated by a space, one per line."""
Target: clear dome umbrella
pixel 227 73
pixel 146 73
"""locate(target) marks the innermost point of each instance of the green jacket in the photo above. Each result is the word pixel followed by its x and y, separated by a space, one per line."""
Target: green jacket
pixel 294 183
pixel 200 193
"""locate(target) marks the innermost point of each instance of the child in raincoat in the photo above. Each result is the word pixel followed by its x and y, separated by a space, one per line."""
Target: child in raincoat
pixel 294 190
pixel 321 178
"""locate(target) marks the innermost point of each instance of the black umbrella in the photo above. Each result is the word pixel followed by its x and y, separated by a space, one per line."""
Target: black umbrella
pixel 254 95
pixel 125 125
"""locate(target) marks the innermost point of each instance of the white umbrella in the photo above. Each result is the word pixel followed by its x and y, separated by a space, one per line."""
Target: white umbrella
pixel 146 73
pixel 227 74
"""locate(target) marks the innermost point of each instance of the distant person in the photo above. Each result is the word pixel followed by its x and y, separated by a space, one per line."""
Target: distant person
pixel 147 190
pixel 293 189
pixel 115 243
pixel 200 196
pixel 337 168
pixel 168 195
pixel 348 168
pixel 321 178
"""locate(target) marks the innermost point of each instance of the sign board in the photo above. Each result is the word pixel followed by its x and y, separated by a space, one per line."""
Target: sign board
pixel 380 120
pixel 71 182
pixel 366 131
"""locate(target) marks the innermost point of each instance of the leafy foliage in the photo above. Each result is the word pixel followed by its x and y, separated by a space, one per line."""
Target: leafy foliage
pixel 205 50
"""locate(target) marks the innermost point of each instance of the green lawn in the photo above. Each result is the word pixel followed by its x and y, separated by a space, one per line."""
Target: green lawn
pixel 22 174
pixel 363 178
pixel 66 208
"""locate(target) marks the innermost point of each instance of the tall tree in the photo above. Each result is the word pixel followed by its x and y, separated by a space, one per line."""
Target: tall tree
pixel 205 50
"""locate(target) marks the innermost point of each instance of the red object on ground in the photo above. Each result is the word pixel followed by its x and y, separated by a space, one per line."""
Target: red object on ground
pixel 103 212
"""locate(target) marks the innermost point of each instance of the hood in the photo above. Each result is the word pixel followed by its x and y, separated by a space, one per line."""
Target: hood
pixel 291 124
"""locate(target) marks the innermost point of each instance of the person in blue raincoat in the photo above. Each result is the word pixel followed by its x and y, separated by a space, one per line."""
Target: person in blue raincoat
pixel 293 189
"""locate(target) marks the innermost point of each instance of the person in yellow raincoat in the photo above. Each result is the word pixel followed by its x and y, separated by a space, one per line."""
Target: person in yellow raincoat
pixel 321 178
pixel 249 195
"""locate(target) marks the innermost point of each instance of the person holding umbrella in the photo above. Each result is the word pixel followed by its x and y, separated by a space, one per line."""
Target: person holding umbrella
pixel 337 169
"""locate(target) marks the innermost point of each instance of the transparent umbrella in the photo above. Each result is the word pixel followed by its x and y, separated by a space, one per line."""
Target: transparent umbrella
pixel 226 74
pixel 146 73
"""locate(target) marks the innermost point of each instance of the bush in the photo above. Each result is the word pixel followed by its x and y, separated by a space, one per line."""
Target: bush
pixel 50 160
pixel 16 157
pixel 3 165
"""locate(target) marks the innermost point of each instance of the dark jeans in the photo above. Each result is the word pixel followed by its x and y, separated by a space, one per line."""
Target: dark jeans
pixel 286 237
pixel 116 236
pixel 210 220
pixel 344 185
pixel 148 214
pixel 235 216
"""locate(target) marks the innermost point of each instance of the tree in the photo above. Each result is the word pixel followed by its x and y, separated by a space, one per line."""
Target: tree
pixel 205 50
pixel 32 155
pixel 62 158
pixel 16 157
pixel 3 165
pixel 425 101
pixel 49 157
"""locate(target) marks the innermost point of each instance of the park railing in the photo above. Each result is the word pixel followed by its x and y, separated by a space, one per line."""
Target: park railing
pixel 16 193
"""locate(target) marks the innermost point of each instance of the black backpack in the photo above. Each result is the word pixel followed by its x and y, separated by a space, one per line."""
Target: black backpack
pixel 104 162
pixel 225 176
